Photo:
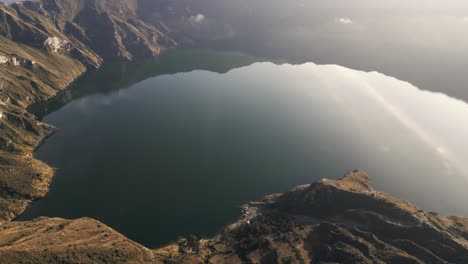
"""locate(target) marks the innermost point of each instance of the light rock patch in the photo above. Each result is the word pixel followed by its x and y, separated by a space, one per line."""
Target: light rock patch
pixel 15 60
pixel 58 45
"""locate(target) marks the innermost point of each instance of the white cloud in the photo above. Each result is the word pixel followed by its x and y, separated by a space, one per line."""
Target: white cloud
pixel 198 19
pixel 343 21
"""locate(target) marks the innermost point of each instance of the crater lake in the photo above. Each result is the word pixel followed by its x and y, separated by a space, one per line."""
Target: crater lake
pixel 173 146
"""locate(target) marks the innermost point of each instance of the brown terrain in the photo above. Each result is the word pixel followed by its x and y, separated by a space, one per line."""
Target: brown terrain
pixel 46 44
pixel 330 221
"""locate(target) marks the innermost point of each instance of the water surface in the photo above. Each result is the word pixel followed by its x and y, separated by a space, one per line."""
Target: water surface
pixel 176 154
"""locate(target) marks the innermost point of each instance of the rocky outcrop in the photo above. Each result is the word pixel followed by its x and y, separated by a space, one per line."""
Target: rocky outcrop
pixel 362 226
pixel 58 45
pixel 14 60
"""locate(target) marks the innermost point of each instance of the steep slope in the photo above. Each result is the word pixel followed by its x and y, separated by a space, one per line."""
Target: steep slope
pixel 109 28
pixel 44 46
pixel 330 221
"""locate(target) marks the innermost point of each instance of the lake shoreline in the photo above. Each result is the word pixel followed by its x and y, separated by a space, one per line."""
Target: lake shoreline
pixel 202 248
pixel 11 213
pixel 296 224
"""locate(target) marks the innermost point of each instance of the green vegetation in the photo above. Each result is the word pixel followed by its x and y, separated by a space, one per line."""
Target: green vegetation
pixel 249 237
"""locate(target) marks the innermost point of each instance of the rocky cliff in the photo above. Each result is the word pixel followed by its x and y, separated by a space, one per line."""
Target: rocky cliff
pixel 330 221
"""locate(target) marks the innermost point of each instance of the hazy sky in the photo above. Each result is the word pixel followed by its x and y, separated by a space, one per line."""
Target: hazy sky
pixel 424 42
